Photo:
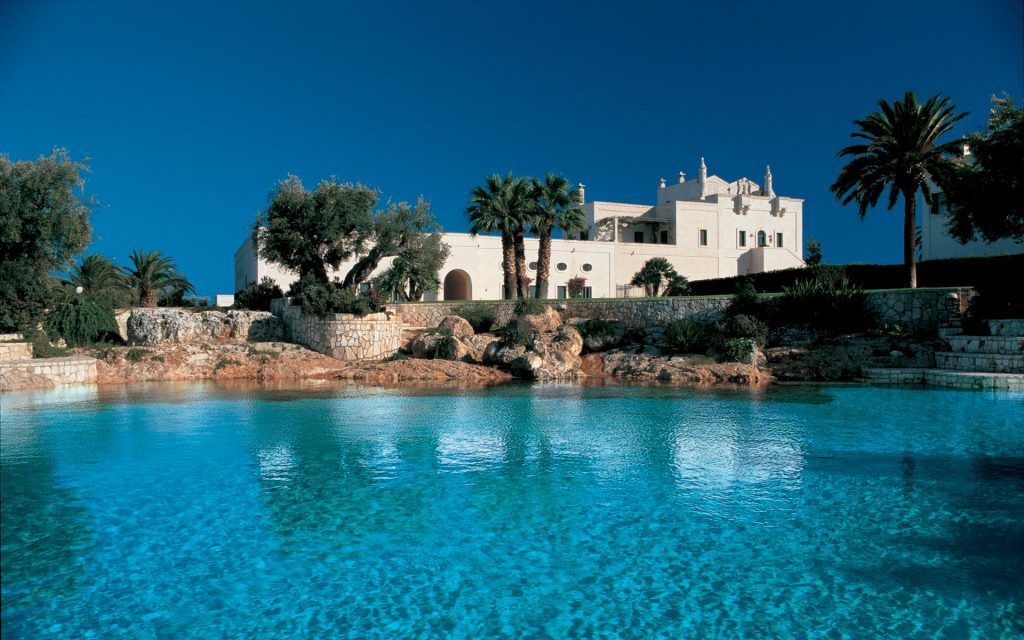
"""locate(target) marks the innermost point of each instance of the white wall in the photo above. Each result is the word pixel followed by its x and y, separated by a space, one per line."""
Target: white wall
pixel 937 244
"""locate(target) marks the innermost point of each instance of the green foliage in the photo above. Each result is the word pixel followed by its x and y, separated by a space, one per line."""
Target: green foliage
pixel 737 350
pixel 507 205
pixel 44 223
pixel 744 326
pixel 890 330
pixel 813 252
pixel 986 192
pixel 480 316
pixel 41 346
pixel 444 345
pixel 599 327
pixel 135 354
pixel 574 286
pixel 555 205
pixel 257 295
pixel 153 275
pixel 899 151
pixel 678 285
pixel 528 307
pixel 224 363
pixel 511 335
pixel 747 301
pixel 80 320
pixel 100 278
pixel 415 270
pixel 687 336
pixel 655 273
pixel 828 300
pixel 320 298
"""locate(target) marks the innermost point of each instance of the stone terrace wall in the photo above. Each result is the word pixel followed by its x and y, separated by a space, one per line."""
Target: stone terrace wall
pixel 59 371
pixel 181 326
pixel 15 351
pixel 921 309
pixel 341 335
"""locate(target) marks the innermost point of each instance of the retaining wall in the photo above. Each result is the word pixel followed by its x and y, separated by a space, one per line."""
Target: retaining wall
pixel 341 335
pixel 926 309
pixel 15 351
pixel 59 371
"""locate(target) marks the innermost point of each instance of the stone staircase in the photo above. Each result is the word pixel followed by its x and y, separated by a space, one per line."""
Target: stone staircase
pixel 994 361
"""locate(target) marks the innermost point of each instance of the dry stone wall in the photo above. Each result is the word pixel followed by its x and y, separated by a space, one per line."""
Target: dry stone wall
pixel 57 371
pixel 15 351
pixel 341 335
pixel 921 309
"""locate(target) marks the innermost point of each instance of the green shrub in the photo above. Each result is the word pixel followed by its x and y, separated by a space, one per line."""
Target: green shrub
pixel 599 327
pixel 997 300
pixel 41 346
pixel 744 326
pixel 157 358
pixel 747 301
pixel 224 363
pixel 135 354
pixel 480 316
pixel 321 298
pixel 445 347
pixel 687 336
pixel 80 320
pixel 528 307
pixel 828 300
pixel 574 286
pixel 257 295
pixel 678 285
pixel 737 350
pixel 510 335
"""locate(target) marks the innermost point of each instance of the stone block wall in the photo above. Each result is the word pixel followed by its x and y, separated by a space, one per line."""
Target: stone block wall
pixel 1006 327
pixel 926 309
pixel 58 371
pixel 15 351
pixel 181 326
pixel 341 335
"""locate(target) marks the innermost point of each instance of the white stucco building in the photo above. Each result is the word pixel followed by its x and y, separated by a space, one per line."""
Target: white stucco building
pixel 707 228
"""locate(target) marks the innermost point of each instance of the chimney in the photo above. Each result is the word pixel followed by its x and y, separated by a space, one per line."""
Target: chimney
pixel 682 177
pixel 582 188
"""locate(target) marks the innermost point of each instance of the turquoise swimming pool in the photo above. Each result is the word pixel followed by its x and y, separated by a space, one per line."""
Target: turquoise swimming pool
pixel 193 510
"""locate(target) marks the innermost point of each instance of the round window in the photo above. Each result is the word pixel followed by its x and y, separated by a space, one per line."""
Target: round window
pixel 587 266
pixel 533 266
pixel 561 266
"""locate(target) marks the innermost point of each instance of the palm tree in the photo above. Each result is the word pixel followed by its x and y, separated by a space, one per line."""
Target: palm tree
pixel 96 275
pixel 493 207
pixel 556 205
pixel 151 274
pixel 901 152
pixel 523 204
pixel 653 274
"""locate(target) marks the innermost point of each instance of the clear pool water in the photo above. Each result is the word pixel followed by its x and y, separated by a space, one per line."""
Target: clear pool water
pixel 181 511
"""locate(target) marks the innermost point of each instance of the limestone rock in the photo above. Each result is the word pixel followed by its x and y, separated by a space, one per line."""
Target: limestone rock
pixel 674 369
pixel 430 372
pixel 423 345
pixel 459 327
pixel 544 322
pixel 181 326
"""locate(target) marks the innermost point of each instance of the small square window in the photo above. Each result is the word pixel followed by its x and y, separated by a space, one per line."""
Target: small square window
pixel 588 292
pixel 703 237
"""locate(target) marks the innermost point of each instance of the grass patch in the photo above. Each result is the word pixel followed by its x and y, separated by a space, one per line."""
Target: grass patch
pixel 135 354
pixel 223 363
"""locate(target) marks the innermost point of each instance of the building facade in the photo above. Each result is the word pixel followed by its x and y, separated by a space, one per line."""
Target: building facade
pixel 707 228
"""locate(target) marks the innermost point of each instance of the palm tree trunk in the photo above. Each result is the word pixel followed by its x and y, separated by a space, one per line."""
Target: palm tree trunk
pixel 149 298
pixel 522 288
pixel 910 236
pixel 508 265
pixel 544 263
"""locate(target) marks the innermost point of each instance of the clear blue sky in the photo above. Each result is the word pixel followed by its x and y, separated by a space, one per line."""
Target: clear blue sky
pixel 190 112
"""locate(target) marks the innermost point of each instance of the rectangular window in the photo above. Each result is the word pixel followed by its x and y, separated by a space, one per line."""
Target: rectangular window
pixel 778 239
pixel 703 240
pixel 587 292
pixel 638 236
pixel 562 294
pixel 664 237
pixel 531 291
pixel 743 238
pixel 584 235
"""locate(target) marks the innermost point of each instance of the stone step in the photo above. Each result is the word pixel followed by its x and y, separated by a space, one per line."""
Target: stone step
pixel 1006 327
pixel 981 362
pixel 944 378
pixel 1004 345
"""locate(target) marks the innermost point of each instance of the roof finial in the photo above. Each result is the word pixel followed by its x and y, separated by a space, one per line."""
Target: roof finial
pixel 661 183
pixel 582 189
pixel 769 190
pixel 682 177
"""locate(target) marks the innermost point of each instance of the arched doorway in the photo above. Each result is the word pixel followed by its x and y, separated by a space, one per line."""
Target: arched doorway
pixel 458 286
pixel 762 239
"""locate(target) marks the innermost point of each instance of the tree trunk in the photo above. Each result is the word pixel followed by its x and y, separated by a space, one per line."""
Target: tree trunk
pixel 910 236
pixel 522 288
pixel 544 263
pixel 362 269
pixel 149 298
pixel 508 265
